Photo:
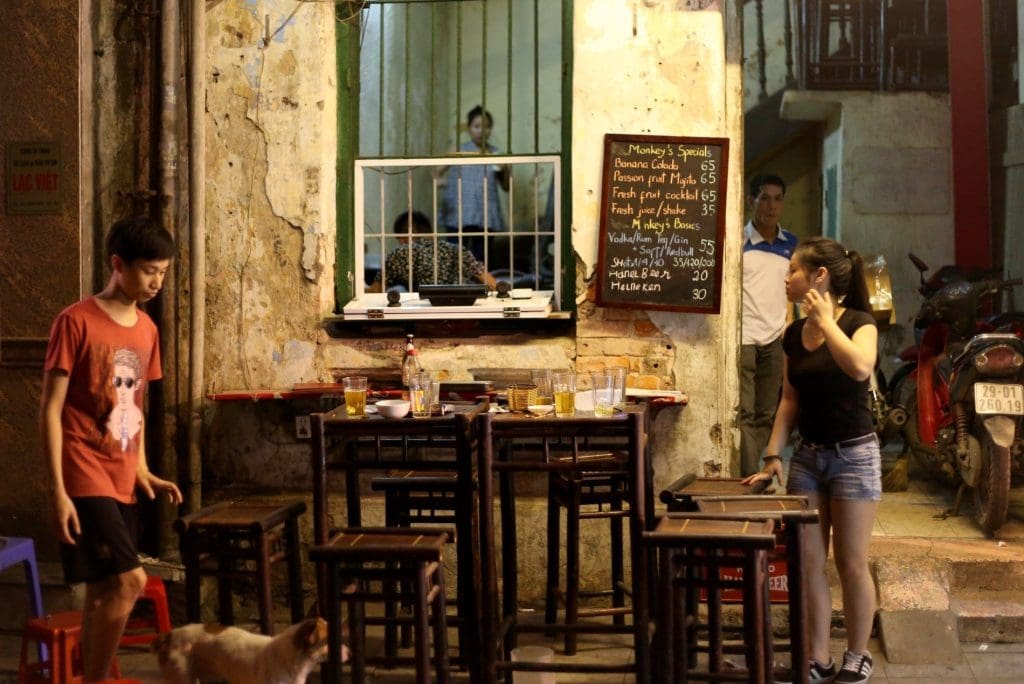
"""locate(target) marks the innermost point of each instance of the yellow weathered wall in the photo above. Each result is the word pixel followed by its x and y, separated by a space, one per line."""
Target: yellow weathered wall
pixel 271 139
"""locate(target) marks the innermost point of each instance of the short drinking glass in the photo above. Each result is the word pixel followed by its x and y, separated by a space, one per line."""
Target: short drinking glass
pixel 542 379
pixel 355 396
pixel 604 393
pixel 564 386
pixel 420 391
pixel 619 373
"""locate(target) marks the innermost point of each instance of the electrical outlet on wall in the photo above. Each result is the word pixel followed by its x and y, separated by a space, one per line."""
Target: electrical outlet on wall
pixel 302 427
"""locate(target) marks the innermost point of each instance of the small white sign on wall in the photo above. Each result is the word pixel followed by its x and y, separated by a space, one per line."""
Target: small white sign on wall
pixel 34 178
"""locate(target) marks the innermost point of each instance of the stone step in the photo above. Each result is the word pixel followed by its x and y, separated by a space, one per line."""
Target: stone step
pixel 986 575
pixel 989 616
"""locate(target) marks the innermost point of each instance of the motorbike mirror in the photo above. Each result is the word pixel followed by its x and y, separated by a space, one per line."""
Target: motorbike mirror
pixel 921 266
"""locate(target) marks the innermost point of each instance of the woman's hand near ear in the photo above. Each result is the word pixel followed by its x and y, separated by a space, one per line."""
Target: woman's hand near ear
pixel 818 307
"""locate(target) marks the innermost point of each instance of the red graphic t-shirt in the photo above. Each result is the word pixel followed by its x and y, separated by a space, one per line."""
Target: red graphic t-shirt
pixel 108 365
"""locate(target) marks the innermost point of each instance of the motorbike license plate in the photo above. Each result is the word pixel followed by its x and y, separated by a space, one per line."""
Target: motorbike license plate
pixel 993 397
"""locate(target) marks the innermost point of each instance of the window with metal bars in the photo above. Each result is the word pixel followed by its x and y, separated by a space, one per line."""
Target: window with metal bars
pixel 453 132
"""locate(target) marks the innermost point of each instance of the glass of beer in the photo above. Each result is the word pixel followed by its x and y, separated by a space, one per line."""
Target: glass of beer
pixel 355 396
pixel 542 379
pixel 420 393
pixel 564 386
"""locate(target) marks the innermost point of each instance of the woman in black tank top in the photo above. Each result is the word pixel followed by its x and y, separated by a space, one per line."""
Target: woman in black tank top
pixel 830 355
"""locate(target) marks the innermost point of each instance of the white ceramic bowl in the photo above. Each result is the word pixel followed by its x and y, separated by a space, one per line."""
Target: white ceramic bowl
pixel 540 409
pixel 393 408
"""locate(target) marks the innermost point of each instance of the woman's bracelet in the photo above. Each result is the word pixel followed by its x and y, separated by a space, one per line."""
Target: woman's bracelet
pixel 770 457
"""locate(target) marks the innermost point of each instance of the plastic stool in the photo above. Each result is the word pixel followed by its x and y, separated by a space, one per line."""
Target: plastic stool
pixel 142 631
pixel 61 633
pixel 21 550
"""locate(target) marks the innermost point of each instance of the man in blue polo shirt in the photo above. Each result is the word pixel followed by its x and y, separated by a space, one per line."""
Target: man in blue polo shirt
pixel 766 252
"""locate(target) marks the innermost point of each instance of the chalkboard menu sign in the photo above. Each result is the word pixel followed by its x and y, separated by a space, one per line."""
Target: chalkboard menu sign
pixel 662 222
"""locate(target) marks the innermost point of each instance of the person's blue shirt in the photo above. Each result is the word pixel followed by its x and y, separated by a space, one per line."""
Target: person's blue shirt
pixel 478 181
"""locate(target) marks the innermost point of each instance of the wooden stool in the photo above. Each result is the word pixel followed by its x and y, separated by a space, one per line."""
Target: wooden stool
pixel 694 549
pixel 61 633
pixel 355 558
pixel 142 631
pixel 606 491
pixel 679 495
pixel 234 533
pixel 414 497
pixel 790 514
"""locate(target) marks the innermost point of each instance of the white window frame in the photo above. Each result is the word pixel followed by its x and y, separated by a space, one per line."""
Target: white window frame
pixel 532 304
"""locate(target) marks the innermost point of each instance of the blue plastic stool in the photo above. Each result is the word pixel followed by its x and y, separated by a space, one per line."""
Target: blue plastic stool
pixel 22 550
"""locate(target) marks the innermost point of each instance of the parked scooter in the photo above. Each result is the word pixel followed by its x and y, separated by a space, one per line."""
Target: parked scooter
pixel 964 396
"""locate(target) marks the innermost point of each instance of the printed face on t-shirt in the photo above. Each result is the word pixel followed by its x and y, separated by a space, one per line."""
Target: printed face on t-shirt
pixel 125 419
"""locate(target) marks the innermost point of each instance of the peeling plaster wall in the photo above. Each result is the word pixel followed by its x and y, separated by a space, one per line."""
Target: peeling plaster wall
pixel 270 172
pixel 673 77
pixel 268 129
pixel 271 137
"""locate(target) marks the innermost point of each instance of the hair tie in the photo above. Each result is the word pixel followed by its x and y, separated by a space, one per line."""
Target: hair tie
pixel 846 253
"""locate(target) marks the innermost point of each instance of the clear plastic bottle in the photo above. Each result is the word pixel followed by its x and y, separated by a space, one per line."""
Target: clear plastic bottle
pixel 410 363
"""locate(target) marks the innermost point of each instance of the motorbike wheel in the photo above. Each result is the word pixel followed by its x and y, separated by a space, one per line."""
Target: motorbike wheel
pixel 992 495
pixel 926 456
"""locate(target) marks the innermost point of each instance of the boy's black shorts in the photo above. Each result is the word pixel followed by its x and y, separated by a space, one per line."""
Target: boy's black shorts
pixel 107 544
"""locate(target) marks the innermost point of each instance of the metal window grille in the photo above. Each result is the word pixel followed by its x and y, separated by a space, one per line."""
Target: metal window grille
pixel 422 66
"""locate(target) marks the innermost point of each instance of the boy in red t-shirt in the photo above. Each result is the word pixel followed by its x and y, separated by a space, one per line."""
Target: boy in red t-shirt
pixel 102 352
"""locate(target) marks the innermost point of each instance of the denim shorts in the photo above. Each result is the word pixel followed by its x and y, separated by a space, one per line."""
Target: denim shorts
pixel 852 473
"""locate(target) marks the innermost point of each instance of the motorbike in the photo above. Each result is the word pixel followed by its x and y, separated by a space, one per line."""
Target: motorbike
pixel 964 394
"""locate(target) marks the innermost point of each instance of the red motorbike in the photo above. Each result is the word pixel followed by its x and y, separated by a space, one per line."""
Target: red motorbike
pixel 962 361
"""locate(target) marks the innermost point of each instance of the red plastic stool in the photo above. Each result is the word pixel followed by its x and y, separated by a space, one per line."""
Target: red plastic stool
pixel 142 631
pixel 62 634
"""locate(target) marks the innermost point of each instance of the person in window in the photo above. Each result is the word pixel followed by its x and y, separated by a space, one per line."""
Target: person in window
pixel 478 182
pixel 419 252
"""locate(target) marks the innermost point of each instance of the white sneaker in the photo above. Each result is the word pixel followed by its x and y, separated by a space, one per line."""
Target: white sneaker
pixel 856 668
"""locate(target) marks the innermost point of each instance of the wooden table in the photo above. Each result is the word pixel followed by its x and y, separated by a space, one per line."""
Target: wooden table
pixel 628 429
pixel 441 442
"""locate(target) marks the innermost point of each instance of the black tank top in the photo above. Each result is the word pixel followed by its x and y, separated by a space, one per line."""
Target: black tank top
pixel 831 406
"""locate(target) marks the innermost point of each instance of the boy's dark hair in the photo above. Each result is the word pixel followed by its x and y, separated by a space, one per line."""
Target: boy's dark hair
pixel 479 111
pixel 765 179
pixel 417 221
pixel 139 237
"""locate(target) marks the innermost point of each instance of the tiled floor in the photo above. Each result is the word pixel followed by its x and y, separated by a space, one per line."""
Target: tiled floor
pixel 907 518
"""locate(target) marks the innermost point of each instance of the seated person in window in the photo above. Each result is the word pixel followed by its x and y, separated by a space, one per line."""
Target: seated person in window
pixel 420 250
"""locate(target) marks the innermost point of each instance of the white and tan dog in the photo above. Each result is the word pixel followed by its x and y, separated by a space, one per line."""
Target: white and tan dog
pixel 192 653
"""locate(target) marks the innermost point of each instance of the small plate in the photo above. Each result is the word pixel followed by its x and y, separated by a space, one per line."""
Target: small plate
pixel 370 409
pixel 541 409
